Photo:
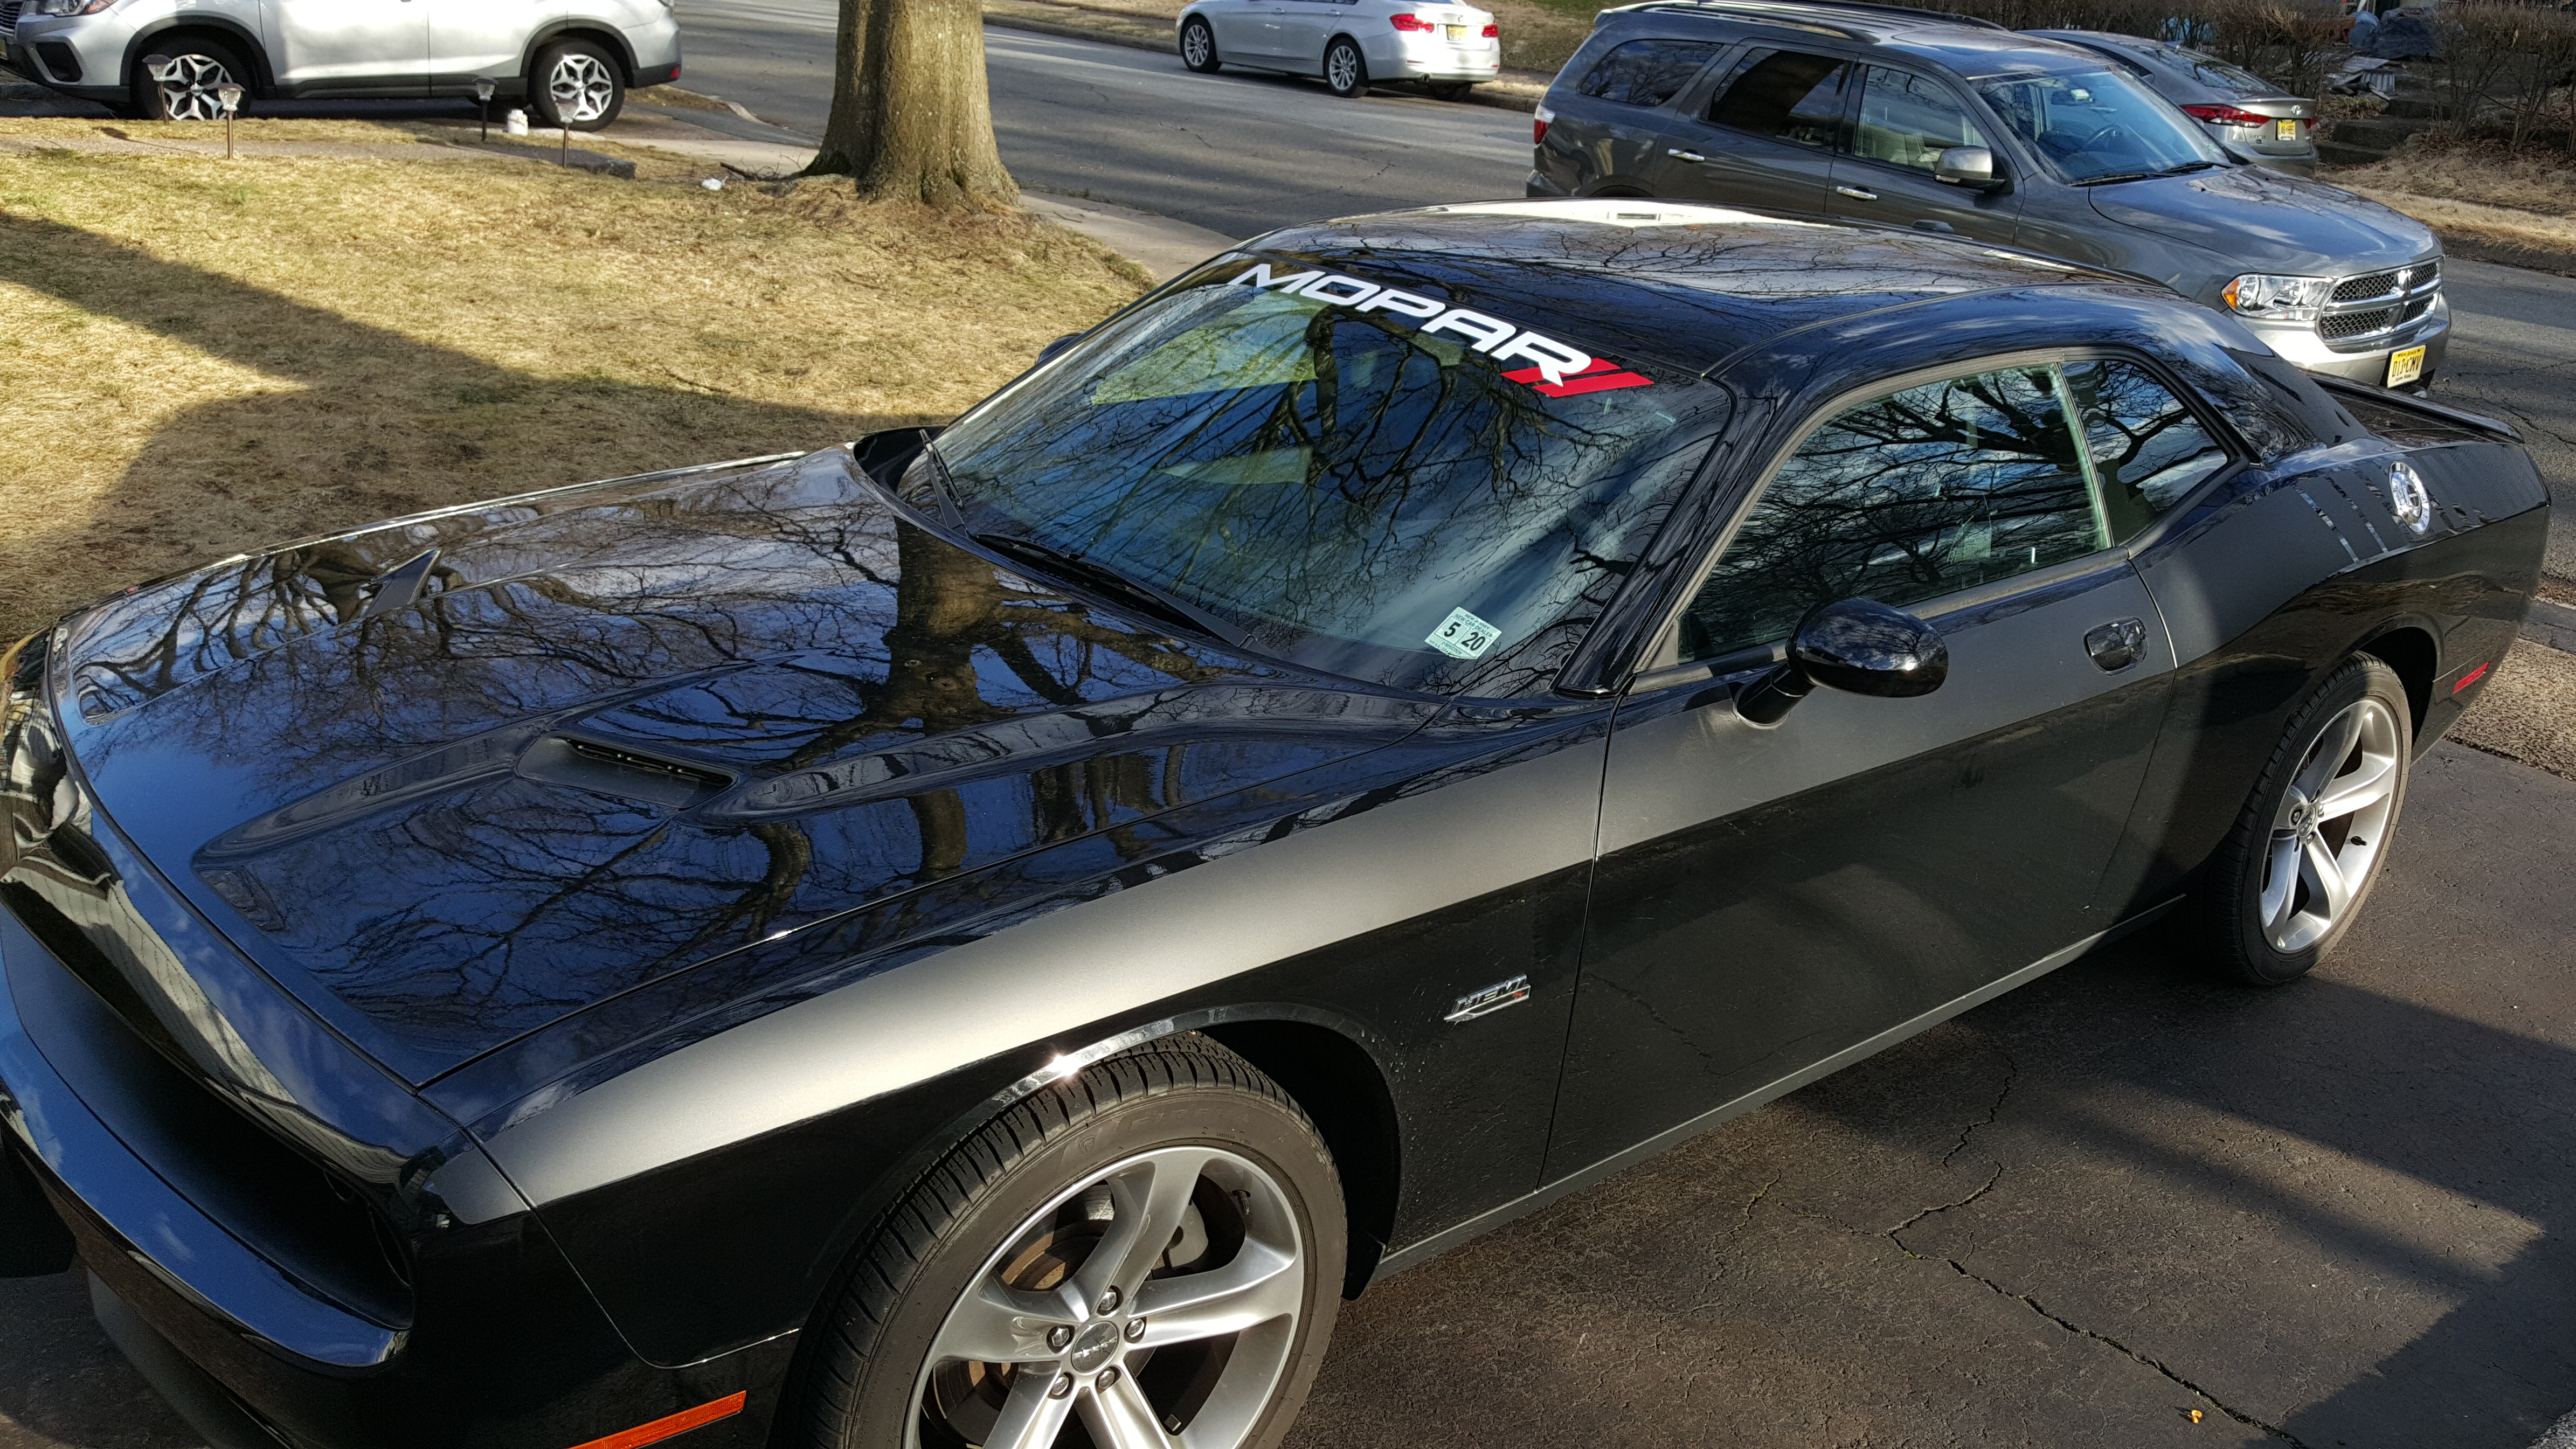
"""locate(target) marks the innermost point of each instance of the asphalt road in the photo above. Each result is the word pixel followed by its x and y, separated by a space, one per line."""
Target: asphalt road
pixel 2337 1215
pixel 1242 154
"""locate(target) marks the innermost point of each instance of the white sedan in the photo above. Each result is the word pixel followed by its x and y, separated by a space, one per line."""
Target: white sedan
pixel 1350 43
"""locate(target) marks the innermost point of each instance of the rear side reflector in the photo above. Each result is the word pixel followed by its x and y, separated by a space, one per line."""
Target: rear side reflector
pixel 2473 676
pixel 663 1428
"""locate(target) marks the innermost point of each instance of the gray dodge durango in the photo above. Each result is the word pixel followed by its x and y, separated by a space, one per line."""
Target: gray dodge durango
pixel 1906 117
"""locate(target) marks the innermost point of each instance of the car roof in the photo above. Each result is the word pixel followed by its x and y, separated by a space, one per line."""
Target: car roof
pixel 1688 285
pixel 1973 47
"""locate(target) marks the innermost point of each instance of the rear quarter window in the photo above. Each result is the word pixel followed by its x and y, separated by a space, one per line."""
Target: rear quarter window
pixel 1646 72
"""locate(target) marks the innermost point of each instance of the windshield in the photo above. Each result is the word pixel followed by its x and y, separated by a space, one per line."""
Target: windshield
pixel 2101 126
pixel 2209 70
pixel 1371 482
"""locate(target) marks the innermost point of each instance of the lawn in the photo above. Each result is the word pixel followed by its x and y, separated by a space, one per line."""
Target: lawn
pixel 202 357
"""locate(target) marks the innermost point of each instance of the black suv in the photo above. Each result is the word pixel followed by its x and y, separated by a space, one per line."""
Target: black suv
pixel 1877 113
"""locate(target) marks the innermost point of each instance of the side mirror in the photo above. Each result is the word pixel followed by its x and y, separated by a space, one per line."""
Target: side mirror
pixel 1060 344
pixel 1969 166
pixel 1859 646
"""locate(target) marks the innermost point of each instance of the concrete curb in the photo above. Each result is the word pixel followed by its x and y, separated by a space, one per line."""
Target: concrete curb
pixel 2561 1435
pixel 2555 626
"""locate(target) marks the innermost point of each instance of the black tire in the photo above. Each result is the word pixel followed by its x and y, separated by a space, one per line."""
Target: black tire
pixel 1021 1191
pixel 198 64
pixel 579 79
pixel 2267 939
pixel 1449 90
pixel 1345 69
pixel 1198 47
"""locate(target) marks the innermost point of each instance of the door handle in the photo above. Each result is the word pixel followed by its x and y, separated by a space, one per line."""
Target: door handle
pixel 2115 645
pixel 1856 193
pixel 1681 155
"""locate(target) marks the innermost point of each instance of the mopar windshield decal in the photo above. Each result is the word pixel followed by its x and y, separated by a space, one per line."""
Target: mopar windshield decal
pixel 1503 341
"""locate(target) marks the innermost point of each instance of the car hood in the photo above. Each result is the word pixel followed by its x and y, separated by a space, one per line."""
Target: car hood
pixel 2254 220
pixel 626 729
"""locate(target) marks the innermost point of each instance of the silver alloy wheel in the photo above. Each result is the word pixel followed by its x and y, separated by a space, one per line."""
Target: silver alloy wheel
pixel 580 87
pixel 1071 1316
pixel 2332 825
pixel 1342 67
pixel 187 86
pixel 1195 45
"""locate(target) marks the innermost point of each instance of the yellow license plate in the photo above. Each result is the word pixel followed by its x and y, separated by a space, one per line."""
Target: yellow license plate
pixel 1457 32
pixel 2289 130
pixel 2404 367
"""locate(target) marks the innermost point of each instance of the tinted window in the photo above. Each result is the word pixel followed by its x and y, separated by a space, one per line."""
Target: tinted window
pixel 1647 72
pixel 1787 95
pixel 1914 495
pixel 1341 485
pixel 1906 120
pixel 2148 450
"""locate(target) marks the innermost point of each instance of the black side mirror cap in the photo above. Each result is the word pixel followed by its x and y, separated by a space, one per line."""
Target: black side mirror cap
pixel 1859 646
pixel 1060 344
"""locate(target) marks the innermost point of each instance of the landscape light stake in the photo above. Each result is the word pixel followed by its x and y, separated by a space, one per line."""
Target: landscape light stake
pixel 565 159
pixel 229 96
pixel 483 89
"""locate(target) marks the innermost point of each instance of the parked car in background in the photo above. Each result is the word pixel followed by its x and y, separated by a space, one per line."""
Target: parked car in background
pixel 1912 119
pixel 2245 112
pixel 1350 43
pixel 986 938
pixel 572 61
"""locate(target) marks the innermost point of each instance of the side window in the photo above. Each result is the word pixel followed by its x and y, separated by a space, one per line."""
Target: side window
pixel 2148 450
pixel 1908 120
pixel 1787 95
pixel 1646 72
pixel 1920 493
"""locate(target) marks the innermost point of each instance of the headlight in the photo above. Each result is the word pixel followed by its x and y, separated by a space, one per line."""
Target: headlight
pixel 2278 299
pixel 67 7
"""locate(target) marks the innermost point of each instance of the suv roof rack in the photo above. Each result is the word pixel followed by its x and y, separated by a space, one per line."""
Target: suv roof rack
pixel 1815 9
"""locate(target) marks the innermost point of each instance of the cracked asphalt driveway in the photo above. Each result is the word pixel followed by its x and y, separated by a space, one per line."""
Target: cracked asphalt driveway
pixel 2335 1215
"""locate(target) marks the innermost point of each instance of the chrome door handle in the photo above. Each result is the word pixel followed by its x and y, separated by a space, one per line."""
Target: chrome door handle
pixel 1681 155
pixel 1856 193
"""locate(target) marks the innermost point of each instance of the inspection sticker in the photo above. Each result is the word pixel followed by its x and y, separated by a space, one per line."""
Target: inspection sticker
pixel 1463 636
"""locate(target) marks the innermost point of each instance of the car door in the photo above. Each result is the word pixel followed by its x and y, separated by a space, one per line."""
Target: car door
pixel 377 46
pixel 1903 122
pixel 1771 902
pixel 1767 136
pixel 1243 28
pixel 469 38
pixel 1620 106
pixel 1303 26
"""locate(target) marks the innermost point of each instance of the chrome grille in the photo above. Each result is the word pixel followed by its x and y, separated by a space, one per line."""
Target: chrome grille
pixel 2363 309
pixel 9 13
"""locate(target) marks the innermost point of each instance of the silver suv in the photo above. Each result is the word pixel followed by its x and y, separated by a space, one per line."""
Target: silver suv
pixel 570 60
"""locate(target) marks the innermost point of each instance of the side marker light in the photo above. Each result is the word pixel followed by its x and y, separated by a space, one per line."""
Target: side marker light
pixel 663 1428
pixel 2473 676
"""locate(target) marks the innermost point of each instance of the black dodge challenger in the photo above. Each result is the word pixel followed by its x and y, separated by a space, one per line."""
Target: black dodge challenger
pixel 985 937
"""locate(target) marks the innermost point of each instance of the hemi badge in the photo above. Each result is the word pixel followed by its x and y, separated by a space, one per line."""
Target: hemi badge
pixel 1490 1000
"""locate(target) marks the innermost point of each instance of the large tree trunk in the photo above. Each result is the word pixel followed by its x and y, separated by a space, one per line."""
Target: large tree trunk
pixel 911 118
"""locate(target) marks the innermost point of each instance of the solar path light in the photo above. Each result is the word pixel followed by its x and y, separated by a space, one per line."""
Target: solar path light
pixel 483 88
pixel 229 96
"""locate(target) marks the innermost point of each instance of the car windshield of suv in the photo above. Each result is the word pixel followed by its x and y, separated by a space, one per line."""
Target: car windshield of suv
pixel 1339 484
pixel 2101 126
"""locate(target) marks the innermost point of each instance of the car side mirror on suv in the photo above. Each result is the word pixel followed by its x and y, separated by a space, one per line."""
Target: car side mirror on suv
pixel 1969 166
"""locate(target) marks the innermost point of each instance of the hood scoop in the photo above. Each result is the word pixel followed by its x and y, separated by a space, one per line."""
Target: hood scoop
pixel 630 774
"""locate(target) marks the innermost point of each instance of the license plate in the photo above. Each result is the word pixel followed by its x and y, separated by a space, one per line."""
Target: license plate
pixel 2288 130
pixel 2404 367
pixel 1457 33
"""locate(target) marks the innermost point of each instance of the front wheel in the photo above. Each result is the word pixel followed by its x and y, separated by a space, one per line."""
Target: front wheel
pixel 1198 47
pixel 1149 1253
pixel 578 86
pixel 2308 846
pixel 181 79
pixel 1345 69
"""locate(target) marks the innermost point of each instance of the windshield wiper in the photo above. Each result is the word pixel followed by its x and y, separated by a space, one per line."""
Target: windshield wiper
pixel 2119 176
pixel 1102 579
pixel 2188 167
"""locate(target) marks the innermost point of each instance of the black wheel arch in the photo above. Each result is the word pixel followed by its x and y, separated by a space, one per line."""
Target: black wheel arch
pixel 263 79
pixel 2409 646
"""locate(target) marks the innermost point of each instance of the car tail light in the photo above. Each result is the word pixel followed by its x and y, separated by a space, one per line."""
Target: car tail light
pixel 1491 30
pixel 1538 124
pixel 2226 116
pixel 1413 22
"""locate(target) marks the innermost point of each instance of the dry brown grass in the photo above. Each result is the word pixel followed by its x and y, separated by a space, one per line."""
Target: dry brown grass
pixel 2529 712
pixel 201 357
pixel 2482 175
pixel 370 133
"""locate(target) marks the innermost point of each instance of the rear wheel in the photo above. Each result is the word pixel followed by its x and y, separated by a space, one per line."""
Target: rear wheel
pixel 1149 1253
pixel 1345 69
pixel 578 86
pixel 179 79
pixel 1198 47
pixel 2307 848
